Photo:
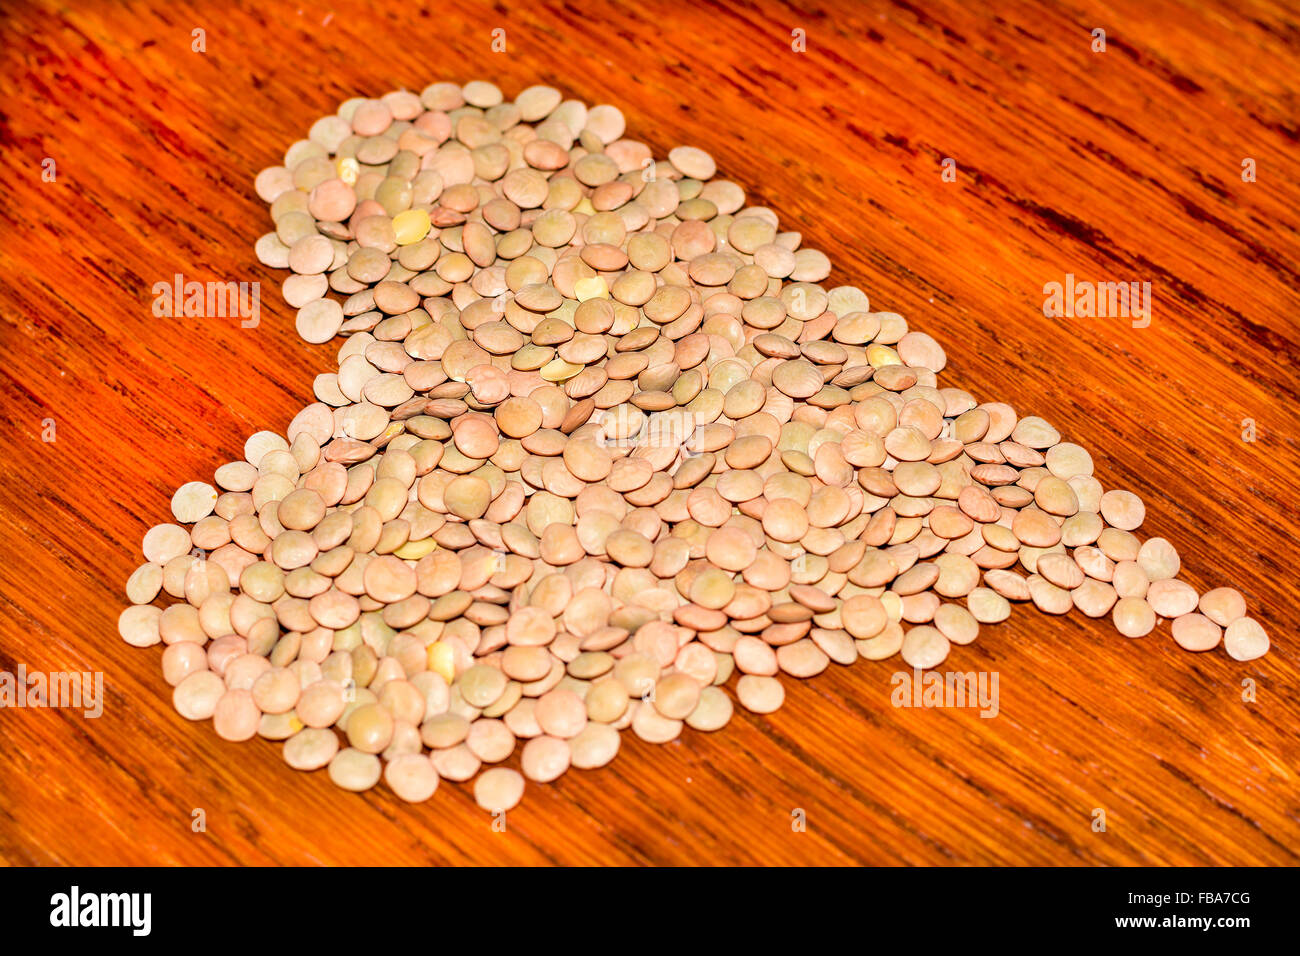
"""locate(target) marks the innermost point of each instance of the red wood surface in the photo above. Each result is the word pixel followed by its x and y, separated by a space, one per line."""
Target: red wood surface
pixel 1117 166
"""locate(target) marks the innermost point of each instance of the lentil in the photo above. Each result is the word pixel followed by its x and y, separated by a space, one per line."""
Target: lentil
pixel 593 443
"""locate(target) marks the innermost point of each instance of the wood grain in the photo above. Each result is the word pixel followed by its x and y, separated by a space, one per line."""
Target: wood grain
pixel 1123 165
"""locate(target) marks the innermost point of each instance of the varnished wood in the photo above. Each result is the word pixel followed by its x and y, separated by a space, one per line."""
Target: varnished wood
pixel 1124 165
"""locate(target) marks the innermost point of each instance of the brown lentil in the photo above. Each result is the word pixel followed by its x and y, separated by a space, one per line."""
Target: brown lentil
pixel 593 443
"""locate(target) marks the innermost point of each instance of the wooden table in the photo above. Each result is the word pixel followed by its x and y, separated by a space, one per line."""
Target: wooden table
pixel 1122 165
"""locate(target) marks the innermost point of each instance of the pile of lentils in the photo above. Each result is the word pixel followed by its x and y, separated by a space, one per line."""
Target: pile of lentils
pixel 601 452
